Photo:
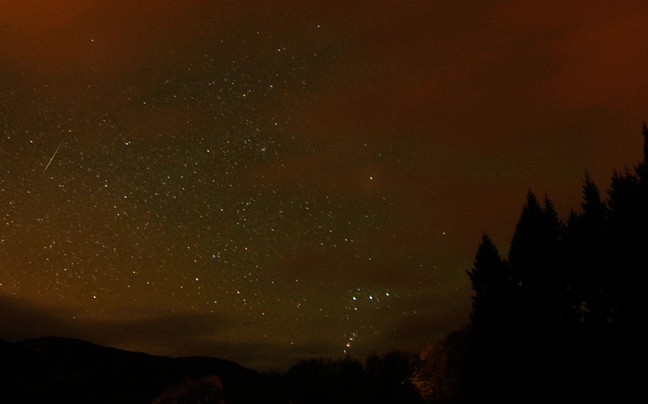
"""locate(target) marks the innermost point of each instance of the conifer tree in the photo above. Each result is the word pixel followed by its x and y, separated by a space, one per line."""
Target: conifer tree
pixel 522 253
pixel 628 203
pixel 490 279
pixel 589 259
pixel 567 303
pixel 627 245
pixel 535 254
pixel 643 165
pixel 537 258
pixel 593 207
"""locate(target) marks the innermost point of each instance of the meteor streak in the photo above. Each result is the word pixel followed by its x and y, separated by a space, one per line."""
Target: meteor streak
pixel 52 158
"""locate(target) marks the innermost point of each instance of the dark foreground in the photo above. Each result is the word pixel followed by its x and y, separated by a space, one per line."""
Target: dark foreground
pixel 71 371
pixel 62 370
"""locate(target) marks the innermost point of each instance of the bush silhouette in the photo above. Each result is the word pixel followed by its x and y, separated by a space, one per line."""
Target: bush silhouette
pixel 207 390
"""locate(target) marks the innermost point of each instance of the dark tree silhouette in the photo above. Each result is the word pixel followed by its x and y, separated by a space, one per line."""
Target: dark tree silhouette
pixel 589 259
pixel 535 248
pixel 494 325
pixel 562 318
pixel 440 376
pixel 385 379
pixel 206 390
pixel 491 281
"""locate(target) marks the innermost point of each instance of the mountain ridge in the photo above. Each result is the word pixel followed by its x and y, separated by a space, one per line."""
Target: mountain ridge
pixel 59 369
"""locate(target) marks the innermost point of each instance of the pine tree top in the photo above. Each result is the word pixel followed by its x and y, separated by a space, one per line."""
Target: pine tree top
pixel 644 132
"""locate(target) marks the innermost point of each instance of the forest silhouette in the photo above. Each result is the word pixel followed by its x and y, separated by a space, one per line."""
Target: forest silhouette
pixel 559 317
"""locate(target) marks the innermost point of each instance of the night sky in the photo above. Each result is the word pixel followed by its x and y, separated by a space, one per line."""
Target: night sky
pixel 267 181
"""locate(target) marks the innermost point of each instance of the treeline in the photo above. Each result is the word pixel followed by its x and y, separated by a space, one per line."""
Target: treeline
pixel 380 379
pixel 559 318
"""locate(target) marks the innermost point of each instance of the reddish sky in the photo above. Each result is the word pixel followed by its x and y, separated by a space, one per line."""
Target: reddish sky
pixel 268 182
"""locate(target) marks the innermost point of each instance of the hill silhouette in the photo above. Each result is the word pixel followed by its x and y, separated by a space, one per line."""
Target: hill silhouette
pixel 57 370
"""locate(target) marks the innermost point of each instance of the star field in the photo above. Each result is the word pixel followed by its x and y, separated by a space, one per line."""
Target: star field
pixel 270 184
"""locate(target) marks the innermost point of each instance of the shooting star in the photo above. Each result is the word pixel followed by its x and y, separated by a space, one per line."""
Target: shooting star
pixel 52 158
